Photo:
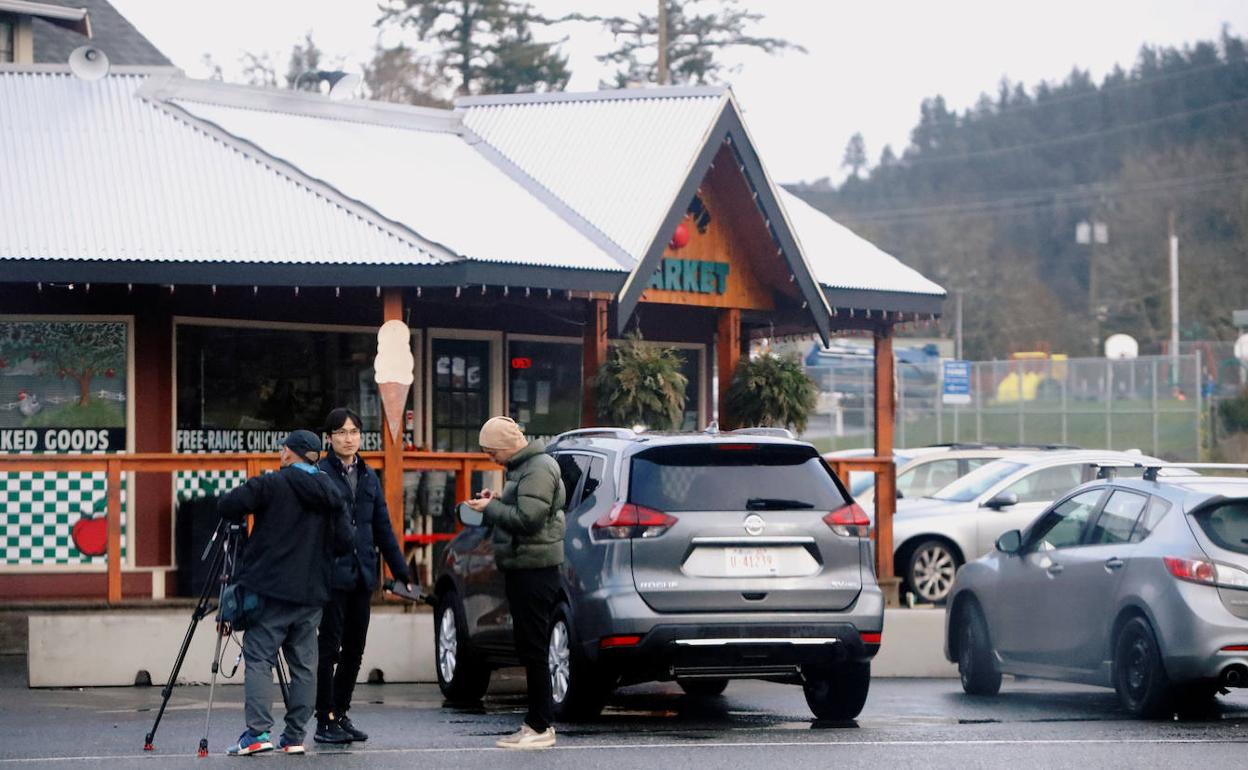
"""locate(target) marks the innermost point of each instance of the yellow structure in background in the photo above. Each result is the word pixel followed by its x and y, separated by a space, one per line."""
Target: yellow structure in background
pixel 1024 380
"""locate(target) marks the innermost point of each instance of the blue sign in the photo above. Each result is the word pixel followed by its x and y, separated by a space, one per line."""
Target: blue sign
pixel 957 383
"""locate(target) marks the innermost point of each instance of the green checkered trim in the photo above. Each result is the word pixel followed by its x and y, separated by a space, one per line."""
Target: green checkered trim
pixel 41 509
pixel 189 485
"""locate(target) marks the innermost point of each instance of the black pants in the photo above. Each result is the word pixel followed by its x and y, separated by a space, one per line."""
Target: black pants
pixel 344 630
pixel 531 595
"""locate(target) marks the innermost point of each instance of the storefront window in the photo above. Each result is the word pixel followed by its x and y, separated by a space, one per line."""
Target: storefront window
pixel 243 389
pixel 62 389
pixel 545 386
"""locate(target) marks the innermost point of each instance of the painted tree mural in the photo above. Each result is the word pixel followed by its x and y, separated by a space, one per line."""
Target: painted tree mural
pixel 77 350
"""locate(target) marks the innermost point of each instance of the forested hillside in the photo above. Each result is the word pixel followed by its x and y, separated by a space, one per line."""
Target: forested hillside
pixel 989 201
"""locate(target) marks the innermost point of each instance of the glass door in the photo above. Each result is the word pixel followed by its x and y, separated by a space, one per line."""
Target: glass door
pixel 461 393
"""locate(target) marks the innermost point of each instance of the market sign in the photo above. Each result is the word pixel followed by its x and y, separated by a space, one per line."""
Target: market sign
pixel 691 275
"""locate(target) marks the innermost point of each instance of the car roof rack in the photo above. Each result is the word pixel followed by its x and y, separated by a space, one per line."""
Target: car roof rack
pixel 954 445
pixel 759 431
pixel 1150 471
pixel 620 433
pixel 1108 470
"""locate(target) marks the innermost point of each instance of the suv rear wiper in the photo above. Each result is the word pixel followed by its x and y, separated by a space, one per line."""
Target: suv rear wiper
pixel 774 504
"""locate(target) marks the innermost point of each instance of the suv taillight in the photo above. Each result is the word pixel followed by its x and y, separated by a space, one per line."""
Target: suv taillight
pixel 1206 572
pixel 850 521
pixel 628 520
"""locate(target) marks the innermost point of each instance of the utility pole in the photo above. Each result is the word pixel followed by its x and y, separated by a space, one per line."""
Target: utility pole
pixel 957 325
pixel 662 42
pixel 1174 304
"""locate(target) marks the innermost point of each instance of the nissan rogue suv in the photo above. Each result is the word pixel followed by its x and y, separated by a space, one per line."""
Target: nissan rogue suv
pixel 694 558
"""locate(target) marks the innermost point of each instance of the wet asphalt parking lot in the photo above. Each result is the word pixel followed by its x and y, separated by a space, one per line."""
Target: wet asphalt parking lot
pixel 907 722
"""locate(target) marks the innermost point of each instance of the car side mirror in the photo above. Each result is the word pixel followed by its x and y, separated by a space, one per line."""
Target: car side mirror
pixel 1003 500
pixel 468 516
pixel 1011 542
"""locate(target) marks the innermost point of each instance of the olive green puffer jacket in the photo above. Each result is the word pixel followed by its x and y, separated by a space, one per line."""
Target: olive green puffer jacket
pixel 528 515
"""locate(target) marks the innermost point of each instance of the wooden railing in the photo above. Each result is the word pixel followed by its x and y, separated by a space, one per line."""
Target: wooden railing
pixel 885 505
pixel 114 465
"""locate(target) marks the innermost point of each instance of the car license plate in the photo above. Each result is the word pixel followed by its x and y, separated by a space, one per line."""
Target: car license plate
pixel 741 562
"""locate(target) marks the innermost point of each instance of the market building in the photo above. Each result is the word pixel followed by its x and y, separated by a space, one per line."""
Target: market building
pixel 189 269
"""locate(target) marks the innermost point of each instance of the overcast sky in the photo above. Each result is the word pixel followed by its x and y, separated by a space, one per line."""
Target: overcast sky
pixel 868 66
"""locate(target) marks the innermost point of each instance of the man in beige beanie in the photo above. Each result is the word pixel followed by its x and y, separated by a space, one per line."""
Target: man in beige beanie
pixel 528 545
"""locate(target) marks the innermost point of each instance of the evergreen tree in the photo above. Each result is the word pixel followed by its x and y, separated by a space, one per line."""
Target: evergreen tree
pixel 698 31
pixel 855 157
pixel 487 44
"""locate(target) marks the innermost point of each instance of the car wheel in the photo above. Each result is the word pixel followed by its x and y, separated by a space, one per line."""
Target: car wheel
pixel 930 572
pixel 462 676
pixel 703 688
pixel 976 665
pixel 578 691
pixel 837 692
pixel 1139 677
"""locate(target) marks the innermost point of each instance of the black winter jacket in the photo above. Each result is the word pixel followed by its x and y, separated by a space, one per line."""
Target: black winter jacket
pixel 371 524
pixel 301 521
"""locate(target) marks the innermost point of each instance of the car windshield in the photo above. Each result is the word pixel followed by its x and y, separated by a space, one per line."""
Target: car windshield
pixel 732 477
pixel 975 483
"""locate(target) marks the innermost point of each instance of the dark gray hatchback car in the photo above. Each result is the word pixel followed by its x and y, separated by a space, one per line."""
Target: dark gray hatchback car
pixel 698 558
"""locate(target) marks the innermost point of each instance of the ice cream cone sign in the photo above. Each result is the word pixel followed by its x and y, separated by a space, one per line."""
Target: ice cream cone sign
pixel 393 372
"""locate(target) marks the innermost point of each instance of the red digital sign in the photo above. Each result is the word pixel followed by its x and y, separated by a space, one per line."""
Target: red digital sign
pixel 522 362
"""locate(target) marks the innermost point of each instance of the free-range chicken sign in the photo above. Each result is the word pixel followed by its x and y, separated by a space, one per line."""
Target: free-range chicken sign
pixel 62 386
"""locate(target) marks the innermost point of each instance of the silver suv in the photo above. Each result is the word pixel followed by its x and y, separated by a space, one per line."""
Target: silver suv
pixel 698 558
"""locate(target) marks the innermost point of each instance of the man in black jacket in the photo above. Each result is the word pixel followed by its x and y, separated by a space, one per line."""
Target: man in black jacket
pixel 344 625
pixel 300 522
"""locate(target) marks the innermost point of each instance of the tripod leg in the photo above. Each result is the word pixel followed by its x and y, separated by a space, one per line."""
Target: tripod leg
pixel 212 688
pixel 201 609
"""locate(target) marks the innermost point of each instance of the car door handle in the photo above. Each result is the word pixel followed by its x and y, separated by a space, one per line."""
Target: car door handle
pixel 1055 569
pixel 1114 563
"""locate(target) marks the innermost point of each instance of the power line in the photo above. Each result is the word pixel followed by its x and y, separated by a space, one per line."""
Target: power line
pixel 1056 141
pixel 1028 203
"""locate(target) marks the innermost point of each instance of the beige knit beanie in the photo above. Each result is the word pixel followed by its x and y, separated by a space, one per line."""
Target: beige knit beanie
pixel 502 433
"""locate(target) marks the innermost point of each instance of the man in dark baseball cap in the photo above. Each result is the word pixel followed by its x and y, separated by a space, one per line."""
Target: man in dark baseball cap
pixel 301 524
pixel 305 444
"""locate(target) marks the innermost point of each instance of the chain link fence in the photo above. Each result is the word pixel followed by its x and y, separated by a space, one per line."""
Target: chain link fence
pixel 1146 403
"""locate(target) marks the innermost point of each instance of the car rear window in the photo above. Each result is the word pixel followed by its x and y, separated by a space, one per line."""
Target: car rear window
pixel 732 477
pixel 1226 525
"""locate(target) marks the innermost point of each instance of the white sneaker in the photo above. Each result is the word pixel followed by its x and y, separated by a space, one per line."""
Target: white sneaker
pixel 528 738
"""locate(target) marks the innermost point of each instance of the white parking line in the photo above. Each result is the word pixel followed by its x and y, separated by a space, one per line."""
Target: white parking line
pixel 683 745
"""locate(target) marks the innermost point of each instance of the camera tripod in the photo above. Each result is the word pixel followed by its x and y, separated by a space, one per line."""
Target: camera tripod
pixel 223 547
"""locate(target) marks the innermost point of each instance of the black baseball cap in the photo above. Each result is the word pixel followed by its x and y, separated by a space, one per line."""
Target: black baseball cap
pixel 302 441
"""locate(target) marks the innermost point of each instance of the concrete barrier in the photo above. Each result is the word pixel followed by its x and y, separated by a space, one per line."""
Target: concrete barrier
pixel 108 648
pixel 96 649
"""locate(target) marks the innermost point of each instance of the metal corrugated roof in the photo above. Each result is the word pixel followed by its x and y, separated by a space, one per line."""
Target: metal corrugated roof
pixel 841 259
pixel 430 181
pixel 616 158
pixel 93 172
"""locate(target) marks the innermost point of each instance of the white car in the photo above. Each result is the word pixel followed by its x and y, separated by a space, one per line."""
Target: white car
pixel 933 536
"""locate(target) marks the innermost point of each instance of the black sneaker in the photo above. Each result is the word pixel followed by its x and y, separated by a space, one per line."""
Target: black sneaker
pixel 356 734
pixel 329 731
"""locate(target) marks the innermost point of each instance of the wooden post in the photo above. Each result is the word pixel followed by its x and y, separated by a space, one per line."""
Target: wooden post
pixel 463 482
pixel 392 450
pixel 728 353
pixel 114 529
pixel 886 480
pixel 592 358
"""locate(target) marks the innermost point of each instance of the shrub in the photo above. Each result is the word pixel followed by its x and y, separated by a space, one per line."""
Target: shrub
pixel 771 391
pixel 641 384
